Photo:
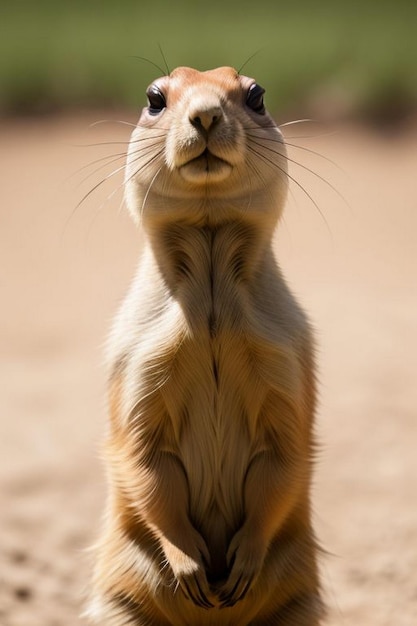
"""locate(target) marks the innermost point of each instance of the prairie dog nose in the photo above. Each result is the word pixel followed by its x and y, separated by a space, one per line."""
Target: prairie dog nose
pixel 205 112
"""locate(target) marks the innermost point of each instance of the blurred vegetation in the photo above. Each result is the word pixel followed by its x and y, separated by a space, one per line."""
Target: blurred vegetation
pixel 359 57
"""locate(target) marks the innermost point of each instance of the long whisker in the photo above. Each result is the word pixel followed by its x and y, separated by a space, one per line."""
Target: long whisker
pixel 116 171
pixel 110 158
pixel 141 151
pixel 273 164
pixel 308 169
pixel 315 136
pixel 113 157
pixel 322 156
pixel 131 56
pixel 117 143
pixel 260 176
pixel 123 184
pixel 88 194
pixel 164 59
pixel 249 59
pixel 275 126
pixel 117 189
pixel 143 166
pixel 136 172
pixel 149 189
pixel 294 145
pixel 298 122
pixel 119 210
pixel 98 122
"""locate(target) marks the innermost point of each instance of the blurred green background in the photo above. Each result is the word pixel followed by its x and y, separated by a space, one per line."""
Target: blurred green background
pixel 358 58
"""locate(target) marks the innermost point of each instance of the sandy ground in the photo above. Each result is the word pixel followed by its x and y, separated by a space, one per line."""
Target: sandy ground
pixel 63 274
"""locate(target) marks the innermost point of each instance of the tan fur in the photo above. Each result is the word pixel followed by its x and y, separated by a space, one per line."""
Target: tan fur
pixel 212 388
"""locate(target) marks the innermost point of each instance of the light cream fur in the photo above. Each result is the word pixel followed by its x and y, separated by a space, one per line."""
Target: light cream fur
pixel 212 388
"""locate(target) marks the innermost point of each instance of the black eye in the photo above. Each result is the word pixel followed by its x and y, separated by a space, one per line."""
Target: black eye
pixel 255 99
pixel 156 100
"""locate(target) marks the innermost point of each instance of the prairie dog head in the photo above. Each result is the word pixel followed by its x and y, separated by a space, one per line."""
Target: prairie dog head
pixel 205 139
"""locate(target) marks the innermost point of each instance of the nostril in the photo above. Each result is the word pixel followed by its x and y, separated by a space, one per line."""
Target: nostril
pixel 204 120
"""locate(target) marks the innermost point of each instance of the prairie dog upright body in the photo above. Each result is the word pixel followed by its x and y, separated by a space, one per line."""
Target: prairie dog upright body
pixel 212 388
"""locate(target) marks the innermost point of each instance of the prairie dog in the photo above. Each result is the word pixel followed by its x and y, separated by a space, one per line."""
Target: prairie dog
pixel 212 385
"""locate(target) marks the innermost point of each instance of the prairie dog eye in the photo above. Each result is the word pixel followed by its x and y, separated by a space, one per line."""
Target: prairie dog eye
pixel 156 100
pixel 255 99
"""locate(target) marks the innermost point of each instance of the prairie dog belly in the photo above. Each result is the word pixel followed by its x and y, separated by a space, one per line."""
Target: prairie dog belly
pixel 211 405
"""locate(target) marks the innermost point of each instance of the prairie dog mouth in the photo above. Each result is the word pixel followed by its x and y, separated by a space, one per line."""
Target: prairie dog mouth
pixel 207 159
pixel 207 167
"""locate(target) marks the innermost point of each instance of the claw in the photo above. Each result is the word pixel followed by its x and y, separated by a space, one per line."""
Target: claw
pixel 188 595
pixel 198 599
pixel 245 589
pixel 205 601
pixel 236 594
pixel 227 598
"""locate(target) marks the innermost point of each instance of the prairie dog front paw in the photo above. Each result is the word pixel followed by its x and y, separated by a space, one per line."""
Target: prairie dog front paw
pixel 245 557
pixel 188 565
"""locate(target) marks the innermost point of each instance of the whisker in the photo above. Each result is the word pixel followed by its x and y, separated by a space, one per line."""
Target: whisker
pixel 141 151
pixel 142 167
pixel 131 56
pixel 249 59
pixel 106 178
pixel 98 122
pixel 154 127
pixel 275 126
pixel 308 169
pixel 88 194
pixel 117 189
pixel 316 136
pixel 117 143
pixel 258 173
pixel 273 164
pixel 148 190
pixel 322 156
pixel 298 122
pixel 111 158
pixel 100 143
pixel 114 157
pixel 260 128
pixel 119 210
pixel 164 59
pixel 294 145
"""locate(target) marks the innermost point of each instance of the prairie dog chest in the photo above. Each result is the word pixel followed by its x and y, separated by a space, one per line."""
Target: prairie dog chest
pixel 199 388
pixel 213 387
pixel 204 344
